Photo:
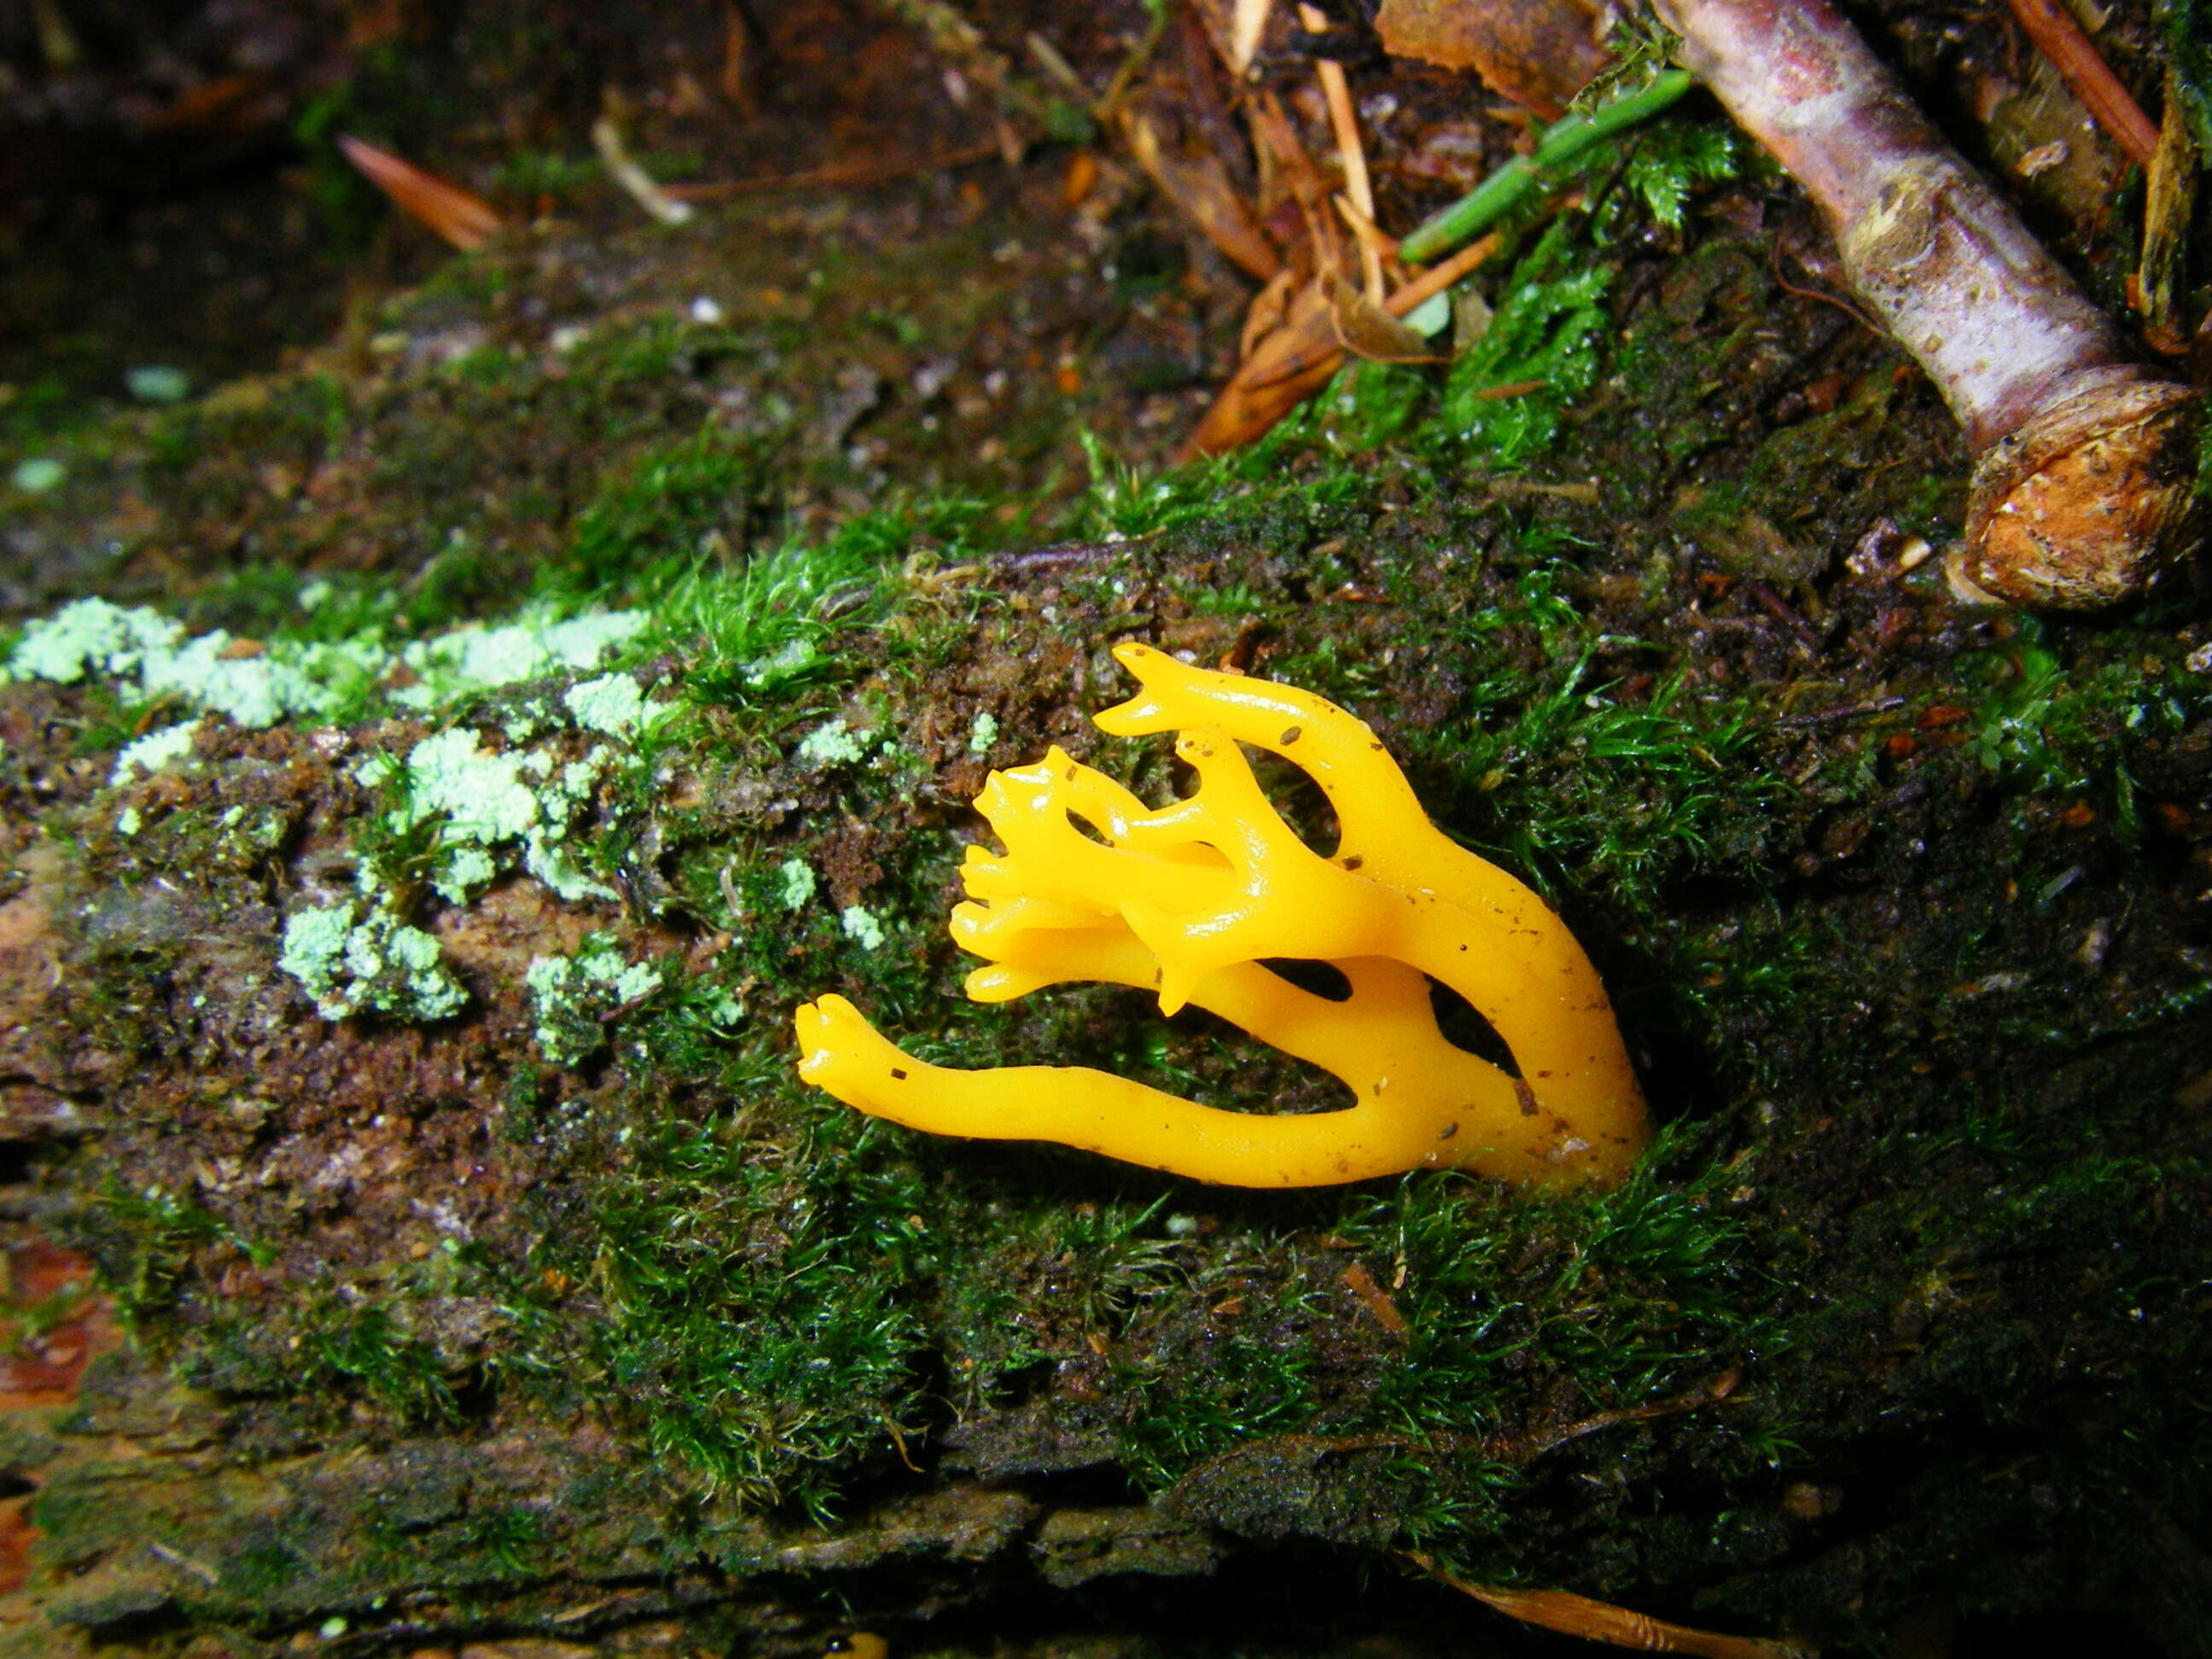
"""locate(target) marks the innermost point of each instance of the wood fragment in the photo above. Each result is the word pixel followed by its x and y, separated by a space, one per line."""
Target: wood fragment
pixel 2169 202
pixel 2085 457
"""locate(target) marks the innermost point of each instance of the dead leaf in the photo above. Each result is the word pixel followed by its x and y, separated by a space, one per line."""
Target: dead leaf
pixel 1288 367
pixel 466 220
pixel 1291 364
pixel 1269 310
pixel 1540 53
pixel 1200 185
pixel 1365 330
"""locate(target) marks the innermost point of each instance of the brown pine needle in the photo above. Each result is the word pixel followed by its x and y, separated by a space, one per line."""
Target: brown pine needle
pixel 1620 1627
pixel 848 175
pixel 2060 38
pixel 1373 1298
pixel 466 220
pixel 1435 279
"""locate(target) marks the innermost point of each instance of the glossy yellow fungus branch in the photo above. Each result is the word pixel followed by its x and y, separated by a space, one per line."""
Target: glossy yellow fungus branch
pixel 1194 899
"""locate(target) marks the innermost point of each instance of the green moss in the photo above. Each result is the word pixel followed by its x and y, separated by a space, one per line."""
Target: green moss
pixel 145 1243
pixel 1546 336
pixel 759 1321
pixel 660 504
pixel 1670 160
pixel 358 1344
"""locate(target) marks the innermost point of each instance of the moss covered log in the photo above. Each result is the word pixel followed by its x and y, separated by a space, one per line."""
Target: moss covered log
pixel 430 783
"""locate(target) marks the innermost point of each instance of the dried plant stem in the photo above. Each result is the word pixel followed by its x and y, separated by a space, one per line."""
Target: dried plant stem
pixel 2085 456
pixel 1344 121
pixel 1563 140
pixel 2060 38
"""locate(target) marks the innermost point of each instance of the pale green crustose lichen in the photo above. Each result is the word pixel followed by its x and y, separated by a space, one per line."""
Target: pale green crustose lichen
pixel 797 889
pixel 153 752
pixel 483 801
pixel 611 703
pixel 258 684
pixel 831 744
pixel 351 958
pixel 570 995
pixel 479 657
pixel 861 927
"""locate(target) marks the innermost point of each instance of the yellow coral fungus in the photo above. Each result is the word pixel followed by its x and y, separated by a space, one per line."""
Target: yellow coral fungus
pixel 1195 899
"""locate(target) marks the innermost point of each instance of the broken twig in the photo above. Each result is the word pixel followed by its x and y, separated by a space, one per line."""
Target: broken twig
pixel 2085 456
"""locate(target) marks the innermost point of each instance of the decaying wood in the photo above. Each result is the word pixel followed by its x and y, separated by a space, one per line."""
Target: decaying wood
pixel 1540 53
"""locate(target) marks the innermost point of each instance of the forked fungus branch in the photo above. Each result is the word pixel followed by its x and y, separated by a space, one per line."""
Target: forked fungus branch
pixel 2085 456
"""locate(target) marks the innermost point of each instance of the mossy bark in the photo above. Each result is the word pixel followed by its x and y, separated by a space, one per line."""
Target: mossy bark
pixel 591 1326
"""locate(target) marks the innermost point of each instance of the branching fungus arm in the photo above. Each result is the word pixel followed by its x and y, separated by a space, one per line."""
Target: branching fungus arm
pixel 1193 900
